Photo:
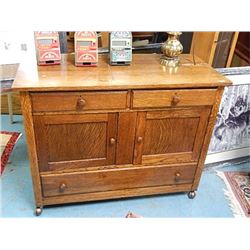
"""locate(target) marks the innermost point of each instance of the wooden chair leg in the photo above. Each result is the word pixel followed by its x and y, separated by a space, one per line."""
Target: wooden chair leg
pixel 10 107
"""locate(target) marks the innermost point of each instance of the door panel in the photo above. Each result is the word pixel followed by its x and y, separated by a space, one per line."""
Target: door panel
pixel 170 136
pixel 89 141
pixel 160 142
pixel 74 141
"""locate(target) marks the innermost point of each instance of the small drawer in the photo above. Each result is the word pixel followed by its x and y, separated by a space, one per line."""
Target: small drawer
pixel 173 98
pixel 78 101
pixel 116 179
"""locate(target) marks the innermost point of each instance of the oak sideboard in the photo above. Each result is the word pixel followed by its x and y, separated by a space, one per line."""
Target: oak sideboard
pixel 106 132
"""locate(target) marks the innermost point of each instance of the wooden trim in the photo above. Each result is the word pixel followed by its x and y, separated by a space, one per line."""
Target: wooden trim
pixel 193 112
pixel 111 133
pixel 200 133
pixel 209 131
pixel 52 166
pixel 125 138
pixel 113 168
pixel 168 158
pixel 32 151
pixel 129 98
pixel 75 170
pixel 41 140
pixel 103 111
pixel 53 119
pixel 231 52
pixel 213 49
pixel 140 132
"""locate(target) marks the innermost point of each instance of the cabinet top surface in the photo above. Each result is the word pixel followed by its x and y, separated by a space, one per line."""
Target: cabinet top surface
pixel 145 72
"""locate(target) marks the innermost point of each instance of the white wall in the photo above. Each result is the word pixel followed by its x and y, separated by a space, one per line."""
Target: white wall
pixel 16 46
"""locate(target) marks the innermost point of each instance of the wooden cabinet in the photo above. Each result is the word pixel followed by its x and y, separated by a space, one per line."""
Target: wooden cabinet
pixel 118 136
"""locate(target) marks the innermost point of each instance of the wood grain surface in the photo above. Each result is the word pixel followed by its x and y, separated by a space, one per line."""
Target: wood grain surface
pixel 75 141
pixel 107 180
pixel 209 130
pixel 166 98
pixel 144 72
pixel 125 138
pixel 59 101
pixel 169 136
pixel 115 194
pixel 32 149
pixel 109 132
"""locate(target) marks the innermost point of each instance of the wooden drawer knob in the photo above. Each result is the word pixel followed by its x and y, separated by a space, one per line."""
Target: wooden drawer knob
pixel 81 103
pixel 112 141
pixel 176 99
pixel 139 139
pixel 177 176
pixel 62 187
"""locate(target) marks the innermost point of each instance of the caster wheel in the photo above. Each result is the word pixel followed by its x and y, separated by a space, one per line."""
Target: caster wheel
pixel 38 211
pixel 191 194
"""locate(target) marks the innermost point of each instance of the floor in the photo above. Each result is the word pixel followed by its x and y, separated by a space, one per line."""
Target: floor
pixel 17 196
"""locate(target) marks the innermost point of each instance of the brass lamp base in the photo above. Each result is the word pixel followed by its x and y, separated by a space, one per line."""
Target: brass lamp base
pixel 170 61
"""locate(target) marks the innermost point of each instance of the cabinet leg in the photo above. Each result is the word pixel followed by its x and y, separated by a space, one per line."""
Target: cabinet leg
pixel 191 194
pixel 38 211
pixel 10 107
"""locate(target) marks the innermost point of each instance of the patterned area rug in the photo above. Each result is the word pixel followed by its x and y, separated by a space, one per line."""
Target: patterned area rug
pixel 7 143
pixel 238 192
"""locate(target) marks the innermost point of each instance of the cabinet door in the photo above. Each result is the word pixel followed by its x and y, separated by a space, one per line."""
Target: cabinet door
pixel 170 136
pixel 74 141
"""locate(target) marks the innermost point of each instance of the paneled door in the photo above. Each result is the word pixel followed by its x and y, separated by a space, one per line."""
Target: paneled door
pixel 170 136
pixel 67 141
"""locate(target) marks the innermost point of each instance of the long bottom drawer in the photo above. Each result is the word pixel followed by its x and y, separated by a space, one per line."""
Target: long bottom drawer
pixel 116 179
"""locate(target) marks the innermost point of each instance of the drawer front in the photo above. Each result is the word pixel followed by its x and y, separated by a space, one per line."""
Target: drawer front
pixel 78 101
pixel 116 179
pixel 172 98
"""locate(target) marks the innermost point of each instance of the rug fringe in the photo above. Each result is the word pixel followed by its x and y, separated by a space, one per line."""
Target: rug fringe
pixel 233 203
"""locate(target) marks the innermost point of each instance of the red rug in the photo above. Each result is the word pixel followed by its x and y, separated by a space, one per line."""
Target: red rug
pixel 238 192
pixel 7 143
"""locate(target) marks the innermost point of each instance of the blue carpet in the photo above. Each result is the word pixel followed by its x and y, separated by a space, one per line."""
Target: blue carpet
pixel 17 196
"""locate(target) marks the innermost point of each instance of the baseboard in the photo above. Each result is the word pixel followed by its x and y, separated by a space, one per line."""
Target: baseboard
pixel 227 155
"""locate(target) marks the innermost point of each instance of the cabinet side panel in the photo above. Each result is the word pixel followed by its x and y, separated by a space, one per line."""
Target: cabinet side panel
pixel 210 126
pixel 30 137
